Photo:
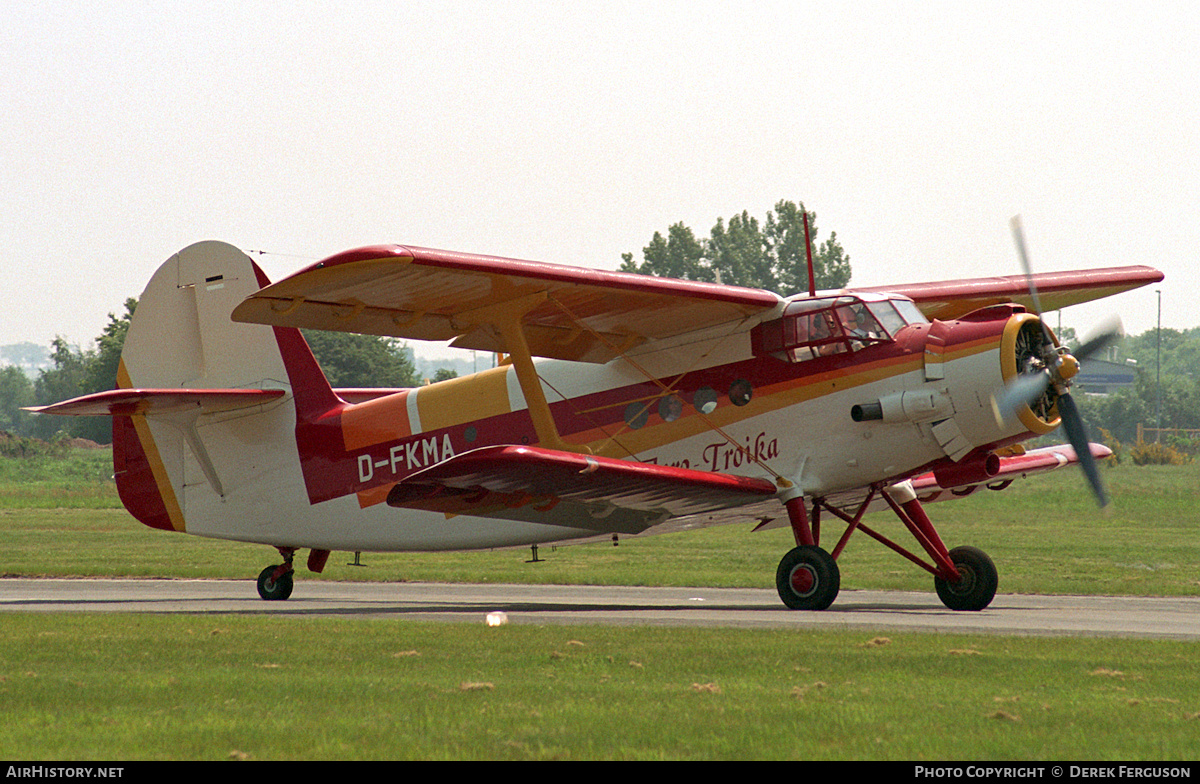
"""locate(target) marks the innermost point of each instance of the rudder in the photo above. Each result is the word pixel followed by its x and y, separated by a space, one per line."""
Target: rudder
pixel 181 336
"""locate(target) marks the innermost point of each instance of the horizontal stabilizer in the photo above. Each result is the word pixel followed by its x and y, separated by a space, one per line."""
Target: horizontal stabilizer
pixel 128 402
pixel 566 489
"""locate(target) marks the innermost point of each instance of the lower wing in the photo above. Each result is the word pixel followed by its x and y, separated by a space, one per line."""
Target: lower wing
pixel 552 487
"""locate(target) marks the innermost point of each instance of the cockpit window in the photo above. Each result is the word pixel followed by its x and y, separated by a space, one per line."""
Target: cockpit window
pixel 813 328
pixel 887 315
pixel 909 311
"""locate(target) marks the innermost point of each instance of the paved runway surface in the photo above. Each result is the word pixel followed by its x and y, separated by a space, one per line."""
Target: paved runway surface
pixel 1173 618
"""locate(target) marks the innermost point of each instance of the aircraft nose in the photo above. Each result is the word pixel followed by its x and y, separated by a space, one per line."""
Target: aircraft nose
pixel 1068 366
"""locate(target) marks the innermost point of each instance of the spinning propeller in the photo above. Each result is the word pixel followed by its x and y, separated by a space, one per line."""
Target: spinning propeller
pixel 1045 371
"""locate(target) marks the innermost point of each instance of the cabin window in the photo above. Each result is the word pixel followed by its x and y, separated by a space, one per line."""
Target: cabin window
pixel 705 400
pixel 636 414
pixel 670 408
pixel 740 392
pixel 886 315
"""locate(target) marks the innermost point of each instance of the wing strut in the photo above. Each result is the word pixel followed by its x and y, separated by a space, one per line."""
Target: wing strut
pixel 505 317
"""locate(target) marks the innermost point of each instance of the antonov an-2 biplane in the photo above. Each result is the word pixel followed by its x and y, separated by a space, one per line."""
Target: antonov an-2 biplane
pixel 659 405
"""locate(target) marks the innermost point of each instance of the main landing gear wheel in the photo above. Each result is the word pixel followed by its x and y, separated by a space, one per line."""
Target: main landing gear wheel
pixel 808 578
pixel 274 588
pixel 977 586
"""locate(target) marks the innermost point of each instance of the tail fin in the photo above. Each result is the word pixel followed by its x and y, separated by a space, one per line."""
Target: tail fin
pixel 182 339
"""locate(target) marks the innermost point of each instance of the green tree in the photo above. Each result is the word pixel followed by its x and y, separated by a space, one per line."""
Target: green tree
pixel 784 238
pixel 102 364
pixel 78 372
pixel 741 251
pixel 351 360
pixel 678 255
pixel 62 382
pixel 1167 386
pixel 1119 413
pixel 737 254
pixel 16 392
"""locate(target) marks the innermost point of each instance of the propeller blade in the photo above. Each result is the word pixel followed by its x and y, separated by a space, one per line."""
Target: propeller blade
pixel 1100 338
pixel 1019 238
pixel 1077 435
pixel 1021 391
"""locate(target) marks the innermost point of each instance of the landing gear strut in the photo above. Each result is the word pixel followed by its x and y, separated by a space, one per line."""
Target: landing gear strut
pixel 808 577
pixel 275 582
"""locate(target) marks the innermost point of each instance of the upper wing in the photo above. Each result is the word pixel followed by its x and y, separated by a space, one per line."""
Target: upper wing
pixel 954 298
pixel 562 312
pixel 551 487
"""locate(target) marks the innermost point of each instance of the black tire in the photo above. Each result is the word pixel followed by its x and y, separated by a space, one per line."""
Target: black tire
pixel 276 590
pixel 977 587
pixel 808 578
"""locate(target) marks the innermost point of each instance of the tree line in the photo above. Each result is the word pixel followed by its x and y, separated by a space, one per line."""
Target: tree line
pixel 348 361
pixel 1166 389
pixel 770 255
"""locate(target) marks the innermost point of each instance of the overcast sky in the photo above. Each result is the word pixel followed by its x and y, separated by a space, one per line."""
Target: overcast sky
pixel 571 132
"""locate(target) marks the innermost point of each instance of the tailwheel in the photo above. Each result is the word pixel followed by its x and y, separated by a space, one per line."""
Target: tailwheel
pixel 808 578
pixel 275 582
pixel 977 583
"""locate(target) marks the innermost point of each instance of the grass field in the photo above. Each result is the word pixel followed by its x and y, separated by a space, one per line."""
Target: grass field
pixel 218 687
pixel 1045 534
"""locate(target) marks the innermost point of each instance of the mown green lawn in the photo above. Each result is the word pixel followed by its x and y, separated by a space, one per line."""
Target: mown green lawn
pixel 99 687
pixel 1045 534
pixel 104 687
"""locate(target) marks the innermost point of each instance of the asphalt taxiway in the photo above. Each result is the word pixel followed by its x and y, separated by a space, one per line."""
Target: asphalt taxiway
pixel 1165 618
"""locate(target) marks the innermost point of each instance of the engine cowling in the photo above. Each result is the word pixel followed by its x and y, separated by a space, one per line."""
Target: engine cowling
pixel 1021 355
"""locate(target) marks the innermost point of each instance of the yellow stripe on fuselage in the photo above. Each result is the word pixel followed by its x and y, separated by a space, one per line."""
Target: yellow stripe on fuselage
pixel 458 401
pixel 461 400
pixel 374 421
pixel 964 349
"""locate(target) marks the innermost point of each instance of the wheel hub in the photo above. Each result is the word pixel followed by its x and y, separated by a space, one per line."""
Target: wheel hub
pixel 966 580
pixel 803 581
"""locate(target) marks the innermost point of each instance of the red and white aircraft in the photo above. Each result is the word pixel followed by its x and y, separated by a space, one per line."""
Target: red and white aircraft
pixel 660 405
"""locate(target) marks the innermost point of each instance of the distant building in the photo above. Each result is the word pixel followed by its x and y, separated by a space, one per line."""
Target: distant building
pixel 1098 377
